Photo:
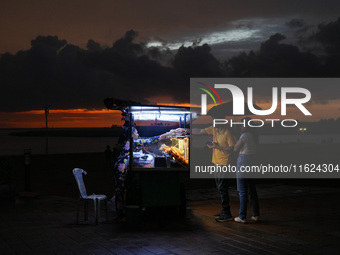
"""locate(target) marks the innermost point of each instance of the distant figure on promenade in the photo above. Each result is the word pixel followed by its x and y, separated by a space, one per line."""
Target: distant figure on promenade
pixel 222 146
pixel 246 145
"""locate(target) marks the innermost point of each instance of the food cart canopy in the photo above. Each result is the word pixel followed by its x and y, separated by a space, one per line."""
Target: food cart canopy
pixel 161 113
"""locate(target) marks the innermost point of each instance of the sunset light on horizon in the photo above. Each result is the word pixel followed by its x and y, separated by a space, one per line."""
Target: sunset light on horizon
pixel 91 118
pixel 66 118
pixel 72 118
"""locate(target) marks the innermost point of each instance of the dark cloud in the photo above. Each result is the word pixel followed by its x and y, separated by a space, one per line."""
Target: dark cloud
pixel 275 59
pixel 328 35
pixel 55 72
pixel 296 23
pixel 197 62
pixel 92 45
pixel 278 59
pixel 65 76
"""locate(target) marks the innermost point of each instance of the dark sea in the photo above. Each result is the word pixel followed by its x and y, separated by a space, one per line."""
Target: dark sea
pixel 16 145
pixel 92 142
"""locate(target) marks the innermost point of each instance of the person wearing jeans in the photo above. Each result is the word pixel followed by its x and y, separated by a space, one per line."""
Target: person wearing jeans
pixel 245 187
pixel 246 146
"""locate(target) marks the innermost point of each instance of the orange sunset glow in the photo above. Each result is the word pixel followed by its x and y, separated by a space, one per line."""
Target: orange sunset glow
pixel 71 118
pixel 82 118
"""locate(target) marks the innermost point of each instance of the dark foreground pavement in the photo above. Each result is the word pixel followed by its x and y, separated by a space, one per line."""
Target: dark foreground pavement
pixel 294 220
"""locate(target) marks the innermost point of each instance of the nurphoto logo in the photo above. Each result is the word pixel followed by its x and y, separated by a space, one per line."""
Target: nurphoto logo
pixel 238 104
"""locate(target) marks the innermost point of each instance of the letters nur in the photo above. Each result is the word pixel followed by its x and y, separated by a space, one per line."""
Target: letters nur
pixel 238 100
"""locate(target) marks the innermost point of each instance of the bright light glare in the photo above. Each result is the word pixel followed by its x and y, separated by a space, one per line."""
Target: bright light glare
pixel 154 44
pixel 229 36
pixel 161 117
pixel 211 39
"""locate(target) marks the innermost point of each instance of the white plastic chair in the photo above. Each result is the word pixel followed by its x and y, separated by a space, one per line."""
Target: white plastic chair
pixel 78 174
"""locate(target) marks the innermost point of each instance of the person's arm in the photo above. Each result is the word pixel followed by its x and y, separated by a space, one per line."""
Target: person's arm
pixel 141 142
pixel 230 141
pixel 216 146
pixel 138 143
pixel 171 133
pixel 238 145
pixel 197 131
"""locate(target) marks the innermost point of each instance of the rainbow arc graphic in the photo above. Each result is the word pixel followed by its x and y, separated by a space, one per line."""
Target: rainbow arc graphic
pixel 209 93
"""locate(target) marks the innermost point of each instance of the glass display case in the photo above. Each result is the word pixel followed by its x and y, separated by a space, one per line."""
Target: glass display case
pixel 156 120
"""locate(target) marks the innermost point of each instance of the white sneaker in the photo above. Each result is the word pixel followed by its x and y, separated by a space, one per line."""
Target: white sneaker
pixel 255 218
pixel 238 219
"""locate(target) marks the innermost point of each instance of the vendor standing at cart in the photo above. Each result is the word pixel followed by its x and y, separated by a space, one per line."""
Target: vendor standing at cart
pixel 123 159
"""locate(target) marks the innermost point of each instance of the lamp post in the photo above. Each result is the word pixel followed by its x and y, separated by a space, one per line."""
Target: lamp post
pixel 47 112
pixel 27 164
pixel 302 130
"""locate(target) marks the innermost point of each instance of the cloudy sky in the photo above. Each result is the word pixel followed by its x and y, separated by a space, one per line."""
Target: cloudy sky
pixel 159 22
pixel 227 26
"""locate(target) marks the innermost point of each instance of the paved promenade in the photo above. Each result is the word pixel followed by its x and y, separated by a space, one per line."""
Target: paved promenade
pixel 294 220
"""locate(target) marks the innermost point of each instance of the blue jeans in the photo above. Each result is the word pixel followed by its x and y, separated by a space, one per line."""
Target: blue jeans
pixel 246 187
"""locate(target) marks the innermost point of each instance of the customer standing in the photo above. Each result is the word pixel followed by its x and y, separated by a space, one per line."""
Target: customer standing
pixel 246 146
pixel 223 140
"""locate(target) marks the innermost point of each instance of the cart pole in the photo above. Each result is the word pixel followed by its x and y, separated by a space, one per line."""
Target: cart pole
pixel 131 140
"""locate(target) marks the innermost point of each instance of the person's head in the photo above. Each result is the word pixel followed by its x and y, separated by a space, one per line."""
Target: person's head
pixel 245 128
pixel 134 133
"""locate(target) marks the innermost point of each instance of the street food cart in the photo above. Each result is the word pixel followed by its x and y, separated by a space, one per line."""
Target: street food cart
pixel 157 173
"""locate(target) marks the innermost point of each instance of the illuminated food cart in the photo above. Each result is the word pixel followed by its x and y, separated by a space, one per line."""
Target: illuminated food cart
pixel 156 174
